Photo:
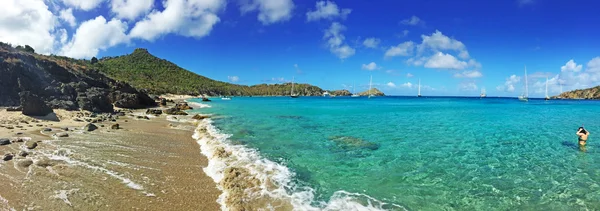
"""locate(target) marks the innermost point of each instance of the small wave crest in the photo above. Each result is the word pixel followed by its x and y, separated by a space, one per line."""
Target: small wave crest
pixel 251 182
pixel 198 105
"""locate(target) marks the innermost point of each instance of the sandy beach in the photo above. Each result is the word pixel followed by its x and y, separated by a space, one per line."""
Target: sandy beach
pixel 147 164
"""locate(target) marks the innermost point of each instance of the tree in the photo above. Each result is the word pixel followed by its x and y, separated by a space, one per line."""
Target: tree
pixel 29 49
pixel 94 60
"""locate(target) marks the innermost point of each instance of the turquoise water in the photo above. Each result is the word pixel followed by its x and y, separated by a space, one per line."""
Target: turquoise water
pixel 427 153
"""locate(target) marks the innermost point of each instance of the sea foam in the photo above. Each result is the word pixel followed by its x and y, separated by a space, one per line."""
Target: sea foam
pixel 269 184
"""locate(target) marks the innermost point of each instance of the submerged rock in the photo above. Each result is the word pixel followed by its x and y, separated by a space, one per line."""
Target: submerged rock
pixel 200 117
pixel 45 162
pixel 353 143
pixel 89 127
pixel 154 111
pixel 25 163
pixel 61 135
pixel 23 153
pixel 115 127
pixel 31 144
pixel 8 156
pixel 204 99
pixel 4 141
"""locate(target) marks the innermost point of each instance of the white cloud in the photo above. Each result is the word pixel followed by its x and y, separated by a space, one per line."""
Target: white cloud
pixel 190 18
pixel 233 78
pixel 370 67
pixel 85 5
pixel 469 86
pixel 30 22
pixel 593 65
pixel 413 21
pixel 390 84
pixel 509 84
pixel 403 49
pixel 67 16
pixel 335 41
pixel 437 42
pixel 445 61
pixel 571 66
pixel 408 75
pixel 131 9
pixel 371 42
pixel 269 11
pixel 327 10
pixel 405 32
pixel 95 35
pixel 468 74
pixel 407 85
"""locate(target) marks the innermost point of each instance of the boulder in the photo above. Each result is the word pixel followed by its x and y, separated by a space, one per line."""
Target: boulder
pixel 154 111
pixel 183 106
pixel 132 100
pixel 7 157
pixel 204 99
pixel 115 127
pixel 33 105
pixel 61 135
pixel 163 102
pixel 25 163
pixel 45 162
pixel 4 141
pixel 89 127
pixel 143 117
pixel 65 128
pixel 200 117
pixel 14 109
pixel 31 144
pixel 23 153
pixel 175 111
pixel 47 130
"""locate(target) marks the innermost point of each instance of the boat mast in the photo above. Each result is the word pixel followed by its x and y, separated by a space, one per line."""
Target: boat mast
pixel 546 87
pixel 419 94
pixel 370 84
pixel 526 88
pixel 292 85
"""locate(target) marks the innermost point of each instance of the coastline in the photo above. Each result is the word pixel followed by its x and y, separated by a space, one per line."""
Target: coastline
pixel 150 164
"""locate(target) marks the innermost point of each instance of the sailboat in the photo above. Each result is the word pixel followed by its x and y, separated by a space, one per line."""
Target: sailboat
pixel 225 98
pixel 370 85
pixel 292 93
pixel 524 96
pixel 354 91
pixel 547 98
pixel 482 95
pixel 419 93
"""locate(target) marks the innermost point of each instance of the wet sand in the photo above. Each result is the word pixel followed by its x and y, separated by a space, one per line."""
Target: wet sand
pixel 145 165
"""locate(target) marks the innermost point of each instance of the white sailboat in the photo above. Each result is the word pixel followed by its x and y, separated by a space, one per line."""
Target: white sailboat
pixel 419 93
pixel 547 98
pixel 292 93
pixel 525 96
pixel 354 91
pixel 482 95
pixel 370 85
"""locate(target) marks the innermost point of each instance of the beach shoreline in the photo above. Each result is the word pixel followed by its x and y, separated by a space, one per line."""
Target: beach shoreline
pixel 150 162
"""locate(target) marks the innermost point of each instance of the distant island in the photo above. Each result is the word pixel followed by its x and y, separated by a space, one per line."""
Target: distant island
pixel 589 93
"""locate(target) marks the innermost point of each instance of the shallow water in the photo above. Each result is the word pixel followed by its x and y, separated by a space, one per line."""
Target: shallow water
pixel 427 153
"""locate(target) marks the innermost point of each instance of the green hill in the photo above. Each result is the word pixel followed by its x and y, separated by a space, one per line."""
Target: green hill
pixel 159 76
pixel 374 91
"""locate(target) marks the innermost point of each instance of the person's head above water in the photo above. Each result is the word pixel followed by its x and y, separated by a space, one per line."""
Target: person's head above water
pixel 582 130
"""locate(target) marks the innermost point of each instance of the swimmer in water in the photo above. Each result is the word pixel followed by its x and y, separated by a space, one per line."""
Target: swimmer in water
pixel 583 136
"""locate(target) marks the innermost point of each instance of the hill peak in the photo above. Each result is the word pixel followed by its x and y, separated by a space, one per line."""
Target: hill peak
pixel 141 51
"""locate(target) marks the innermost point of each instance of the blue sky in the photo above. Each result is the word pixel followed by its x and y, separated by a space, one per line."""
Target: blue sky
pixel 454 47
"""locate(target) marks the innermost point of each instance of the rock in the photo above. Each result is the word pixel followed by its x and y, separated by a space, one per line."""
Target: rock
pixel 89 127
pixel 14 109
pixel 175 111
pixel 77 120
pixel 24 122
pixel 183 106
pixel 163 102
pixel 132 100
pixel 4 141
pixel 25 163
pixel 154 111
pixel 61 135
pixel 204 99
pixel 8 156
pixel 65 128
pixel 200 117
pixel 10 127
pixel 31 144
pixel 20 139
pixel 19 126
pixel 47 130
pixel 23 153
pixel 115 127
pixel 39 125
pixel 19 133
pixel 45 162
pixel 126 121
pixel 143 117
pixel 33 105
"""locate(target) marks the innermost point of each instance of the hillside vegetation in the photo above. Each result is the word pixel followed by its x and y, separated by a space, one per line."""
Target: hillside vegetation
pixel 589 93
pixel 158 76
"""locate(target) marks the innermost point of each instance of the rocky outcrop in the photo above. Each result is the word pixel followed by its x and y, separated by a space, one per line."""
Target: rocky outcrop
pixel 590 93
pixel 31 144
pixel 340 93
pixel 183 106
pixel 37 83
pixel 89 127
pixel 4 141
pixel 33 105
pixel 373 91
pixel 200 117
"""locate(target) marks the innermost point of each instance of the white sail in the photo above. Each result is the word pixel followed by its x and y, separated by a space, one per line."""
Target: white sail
pixel 293 85
pixel 546 87
pixel 526 87
pixel 370 85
